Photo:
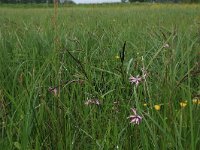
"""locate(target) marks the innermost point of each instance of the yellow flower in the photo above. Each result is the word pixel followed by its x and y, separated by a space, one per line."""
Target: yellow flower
pixel 196 101
pixel 145 104
pixel 157 107
pixel 117 57
pixel 183 104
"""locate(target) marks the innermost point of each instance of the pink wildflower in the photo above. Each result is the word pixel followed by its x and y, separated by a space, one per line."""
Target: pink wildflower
pixel 135 119
pixel 54 91
pixel 135 80
pixel 92 101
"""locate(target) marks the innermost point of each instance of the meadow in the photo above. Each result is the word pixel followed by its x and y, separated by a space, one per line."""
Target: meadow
pixel 65 77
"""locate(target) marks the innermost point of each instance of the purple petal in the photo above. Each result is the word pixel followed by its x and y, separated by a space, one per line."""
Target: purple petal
pixel 139 117
pixel 133 120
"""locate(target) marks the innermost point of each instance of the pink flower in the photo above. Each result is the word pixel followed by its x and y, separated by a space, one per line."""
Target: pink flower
pixel 54 91
pixel 135 119
pixel 92 101
pixel 135 80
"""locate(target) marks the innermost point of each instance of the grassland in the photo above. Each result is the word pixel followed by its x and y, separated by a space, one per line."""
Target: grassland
pixel 52 64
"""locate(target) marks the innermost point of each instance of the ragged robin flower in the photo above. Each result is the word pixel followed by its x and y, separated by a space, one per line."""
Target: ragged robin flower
pixel 135 80
pixel 135 118
pixel 54 90
pixel 92 101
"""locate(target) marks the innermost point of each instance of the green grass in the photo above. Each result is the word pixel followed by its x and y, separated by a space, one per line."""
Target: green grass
pixel 39 51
